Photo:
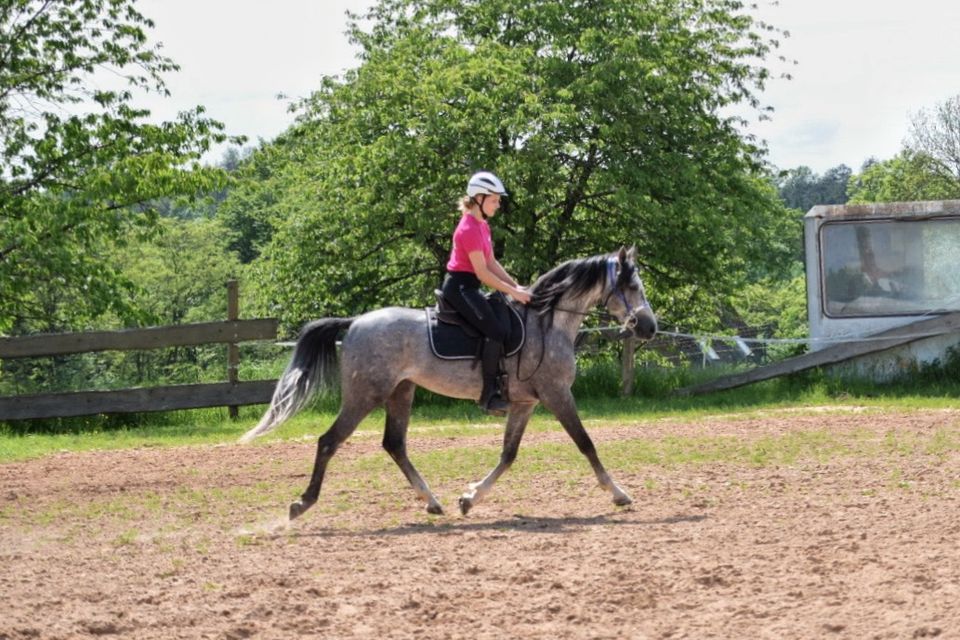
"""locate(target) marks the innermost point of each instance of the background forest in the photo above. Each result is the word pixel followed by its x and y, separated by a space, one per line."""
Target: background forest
pixel 610 122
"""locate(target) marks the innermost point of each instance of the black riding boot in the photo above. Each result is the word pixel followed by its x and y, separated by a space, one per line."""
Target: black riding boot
pixel 491 398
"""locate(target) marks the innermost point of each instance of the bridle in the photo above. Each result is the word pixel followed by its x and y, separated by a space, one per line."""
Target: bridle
pixel 629 320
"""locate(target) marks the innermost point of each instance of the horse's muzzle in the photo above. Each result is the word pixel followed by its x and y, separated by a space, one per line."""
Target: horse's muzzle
pixel 642 326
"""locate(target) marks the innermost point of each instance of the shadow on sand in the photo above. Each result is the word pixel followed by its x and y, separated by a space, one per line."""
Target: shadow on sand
pixel 519 522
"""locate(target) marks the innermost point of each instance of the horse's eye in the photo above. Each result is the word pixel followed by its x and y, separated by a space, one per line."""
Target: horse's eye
pixel 634 287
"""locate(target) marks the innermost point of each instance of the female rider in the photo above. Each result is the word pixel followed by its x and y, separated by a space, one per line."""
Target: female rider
pixel 472 263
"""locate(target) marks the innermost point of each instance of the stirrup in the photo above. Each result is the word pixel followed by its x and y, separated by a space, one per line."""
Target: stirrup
pixel 492 401
pixel 496 405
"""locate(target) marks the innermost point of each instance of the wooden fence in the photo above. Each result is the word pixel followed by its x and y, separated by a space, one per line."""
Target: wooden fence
pixel 232 393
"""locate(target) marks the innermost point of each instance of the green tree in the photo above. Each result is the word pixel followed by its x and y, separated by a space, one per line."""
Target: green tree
pixel 248 210
pixel 906 177
pixel 778 308
pixel 179 277
pixel 606 119
pixel 80 164
pixel 176 276
pixel 802 189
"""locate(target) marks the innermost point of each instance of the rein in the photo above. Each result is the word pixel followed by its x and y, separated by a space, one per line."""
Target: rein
pixel 591 312
pixel 612 277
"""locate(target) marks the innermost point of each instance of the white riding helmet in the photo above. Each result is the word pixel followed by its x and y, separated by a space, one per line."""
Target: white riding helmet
pixel 485 182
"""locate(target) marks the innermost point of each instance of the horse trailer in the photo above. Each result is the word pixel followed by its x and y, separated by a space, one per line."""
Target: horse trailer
pixel 874 267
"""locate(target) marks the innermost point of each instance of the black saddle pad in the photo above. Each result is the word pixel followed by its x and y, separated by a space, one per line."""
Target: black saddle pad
pixel 450 342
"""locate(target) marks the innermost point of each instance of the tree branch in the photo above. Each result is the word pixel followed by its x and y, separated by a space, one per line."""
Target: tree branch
pixel 383 283
pixel 13 38
pixel 385 243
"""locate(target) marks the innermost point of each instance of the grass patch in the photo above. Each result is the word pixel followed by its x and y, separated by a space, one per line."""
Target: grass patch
pixel 374 479
pixel 465 464
pixel 181 429
pixel 126 538
pixel 596 390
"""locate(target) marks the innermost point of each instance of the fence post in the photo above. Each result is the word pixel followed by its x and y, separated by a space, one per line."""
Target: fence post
pixel 628 362
pixel 233 351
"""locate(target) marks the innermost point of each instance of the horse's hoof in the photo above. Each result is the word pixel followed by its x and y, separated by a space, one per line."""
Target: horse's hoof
pixel 297 509
pixel 465 505
pixel 622 500
pixel 435 509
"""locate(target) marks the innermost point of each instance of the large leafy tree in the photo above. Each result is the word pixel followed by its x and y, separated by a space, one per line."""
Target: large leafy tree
pixel 80 164
pixel 609 121
pixel 247 211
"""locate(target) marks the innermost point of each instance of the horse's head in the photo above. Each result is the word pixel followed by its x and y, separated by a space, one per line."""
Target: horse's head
pixel 626 299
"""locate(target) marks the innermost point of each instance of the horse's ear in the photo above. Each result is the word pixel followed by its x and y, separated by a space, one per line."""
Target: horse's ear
pixel 632 253
pixel 623 255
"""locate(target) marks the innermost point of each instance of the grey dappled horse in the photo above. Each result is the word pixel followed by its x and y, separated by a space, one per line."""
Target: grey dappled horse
pixel 385 354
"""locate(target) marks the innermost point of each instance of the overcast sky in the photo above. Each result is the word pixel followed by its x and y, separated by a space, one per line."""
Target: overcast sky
pixel 864 67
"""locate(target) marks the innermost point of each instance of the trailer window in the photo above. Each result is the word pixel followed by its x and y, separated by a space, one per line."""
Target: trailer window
pixel 890 267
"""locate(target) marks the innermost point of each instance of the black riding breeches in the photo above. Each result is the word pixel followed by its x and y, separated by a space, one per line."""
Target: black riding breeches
pixel 462 290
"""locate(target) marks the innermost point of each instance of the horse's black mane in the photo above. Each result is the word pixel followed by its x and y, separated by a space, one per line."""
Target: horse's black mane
pixel 573 278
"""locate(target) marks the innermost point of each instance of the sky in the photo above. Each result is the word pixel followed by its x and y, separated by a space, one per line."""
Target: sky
pixel 863 68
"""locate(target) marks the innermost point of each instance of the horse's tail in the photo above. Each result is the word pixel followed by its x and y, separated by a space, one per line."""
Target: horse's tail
pixel 312 367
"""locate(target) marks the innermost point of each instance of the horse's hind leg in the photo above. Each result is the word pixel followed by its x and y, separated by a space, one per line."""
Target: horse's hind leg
pixel 516 422
pixel 560 403
pixel 395 441
pixel 351 413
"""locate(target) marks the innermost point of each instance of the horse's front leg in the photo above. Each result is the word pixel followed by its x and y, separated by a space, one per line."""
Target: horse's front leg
pixel 516 422
pixel 560 403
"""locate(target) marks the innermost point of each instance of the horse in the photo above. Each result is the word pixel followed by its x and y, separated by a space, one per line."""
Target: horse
pixel 385 355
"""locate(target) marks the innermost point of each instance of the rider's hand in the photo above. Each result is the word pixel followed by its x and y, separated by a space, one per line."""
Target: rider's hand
pixel 520 294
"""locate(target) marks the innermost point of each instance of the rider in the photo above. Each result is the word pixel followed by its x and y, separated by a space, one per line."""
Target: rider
pixel 471 263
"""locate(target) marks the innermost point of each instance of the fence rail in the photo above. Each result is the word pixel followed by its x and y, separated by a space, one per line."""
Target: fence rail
pixel 231 393
pixel 138 400
pixel 56 344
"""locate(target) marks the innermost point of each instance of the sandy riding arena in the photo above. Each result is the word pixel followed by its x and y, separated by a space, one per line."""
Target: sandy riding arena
pixel 832 523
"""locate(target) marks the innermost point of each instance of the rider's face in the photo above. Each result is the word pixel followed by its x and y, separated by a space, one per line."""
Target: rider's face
pixel 490 204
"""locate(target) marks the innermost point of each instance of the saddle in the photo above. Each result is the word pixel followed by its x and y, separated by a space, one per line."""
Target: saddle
pixel 452 337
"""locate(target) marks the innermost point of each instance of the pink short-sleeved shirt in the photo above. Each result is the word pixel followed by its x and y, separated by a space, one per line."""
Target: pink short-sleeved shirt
pixel 470 235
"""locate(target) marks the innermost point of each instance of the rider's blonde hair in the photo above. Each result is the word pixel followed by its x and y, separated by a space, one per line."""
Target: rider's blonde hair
pixel 466 202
